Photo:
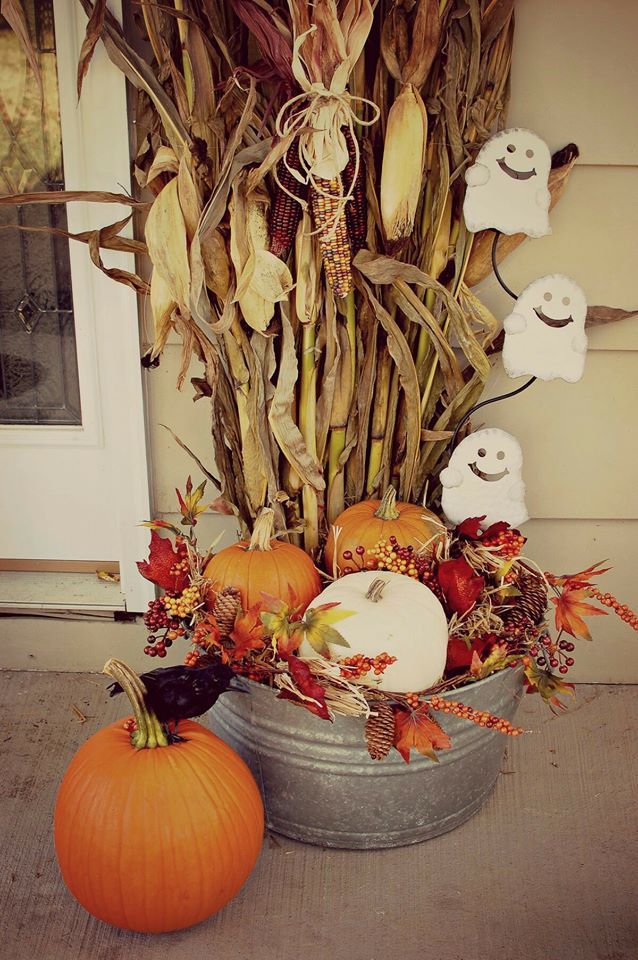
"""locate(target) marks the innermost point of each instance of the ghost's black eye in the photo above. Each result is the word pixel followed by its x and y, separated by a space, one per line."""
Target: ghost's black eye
pixel 482 452
pixel 529 153
pixel 511 148
pixel 500 455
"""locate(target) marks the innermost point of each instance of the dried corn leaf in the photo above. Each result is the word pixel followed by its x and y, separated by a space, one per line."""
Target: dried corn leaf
pixel 382 270
pixel 400 353
pixel 67 196
pixel 165 233
pixel 140 74
pixel 163 305
pixel 285 430
pixel 93 32
pixel 262 278
pixel 425 35
pixel 600 315
pixel 308 270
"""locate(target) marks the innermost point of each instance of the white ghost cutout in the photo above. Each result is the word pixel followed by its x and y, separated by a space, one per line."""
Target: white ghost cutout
pixel 545 332
pixel 507 185
pixel 484 479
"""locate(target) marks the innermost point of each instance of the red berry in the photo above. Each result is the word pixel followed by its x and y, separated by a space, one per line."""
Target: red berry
pixel 563 668
pixel 569 661
pixel 553 662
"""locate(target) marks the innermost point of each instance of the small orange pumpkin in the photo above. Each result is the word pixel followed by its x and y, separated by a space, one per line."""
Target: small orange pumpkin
pixel 265 565
pixel 154 840
pixel 362 525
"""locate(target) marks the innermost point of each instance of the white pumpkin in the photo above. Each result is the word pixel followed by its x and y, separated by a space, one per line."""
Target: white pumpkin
pixel 402 618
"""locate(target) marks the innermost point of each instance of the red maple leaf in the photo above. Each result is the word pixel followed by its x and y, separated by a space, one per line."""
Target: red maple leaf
pixel 471 528
pixel 308 686
pixel 248 633
pixel 460 583
pixel 570 610
pixel 159 568
pixel 416 728
pixel 460 654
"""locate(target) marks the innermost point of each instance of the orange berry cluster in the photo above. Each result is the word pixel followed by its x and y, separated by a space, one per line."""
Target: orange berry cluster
pixel 507 543
pixel 621 609
pixel 130 725
pixel 359 666
pixel 480 717
pixel 412 700
pixel 192 658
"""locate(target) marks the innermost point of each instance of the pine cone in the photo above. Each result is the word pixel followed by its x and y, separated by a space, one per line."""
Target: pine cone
pixel 379 731
pixel 225 609
pixel 533 598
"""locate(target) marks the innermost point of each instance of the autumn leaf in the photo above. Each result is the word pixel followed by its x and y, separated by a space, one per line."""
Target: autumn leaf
pixel 318 627
pixel 574 581
pixel 497 658
pixel 549 686
pixel 308 687
pixel 248 633
pixel 285 633
pixel 471 528
pixel 162 525
pixel 570 610
pixel 460 583
pixel 416 728
pixel 460 652
pixel 190 504
pixel 160 566
pixel 207 634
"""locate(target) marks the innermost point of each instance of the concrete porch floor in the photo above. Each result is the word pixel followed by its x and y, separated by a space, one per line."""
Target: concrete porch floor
pixel 548 870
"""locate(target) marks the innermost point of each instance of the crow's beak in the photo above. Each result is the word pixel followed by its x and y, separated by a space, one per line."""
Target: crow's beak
pixel 238 686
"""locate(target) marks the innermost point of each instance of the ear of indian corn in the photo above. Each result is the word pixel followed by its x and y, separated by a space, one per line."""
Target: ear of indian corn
pixel 286 210
pixel 331 224
pixel 403 160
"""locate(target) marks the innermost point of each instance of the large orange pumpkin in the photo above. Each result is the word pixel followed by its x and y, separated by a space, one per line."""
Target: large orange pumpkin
pixel 265 565
pixel 154 840
pixel 362 525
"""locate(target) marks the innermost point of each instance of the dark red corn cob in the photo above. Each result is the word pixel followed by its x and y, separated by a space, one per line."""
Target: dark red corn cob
pixel 285 212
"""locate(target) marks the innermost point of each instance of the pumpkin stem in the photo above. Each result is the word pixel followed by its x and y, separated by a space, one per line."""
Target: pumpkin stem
pixel 387 509
pixel 263 530
pixel 149 732
pixel 375 590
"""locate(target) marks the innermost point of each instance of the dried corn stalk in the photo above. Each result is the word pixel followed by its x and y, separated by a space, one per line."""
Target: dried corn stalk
pixel 306 232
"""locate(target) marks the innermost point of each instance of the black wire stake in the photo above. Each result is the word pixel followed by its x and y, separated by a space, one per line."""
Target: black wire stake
pixel 514 296
pixel 504 396
pixel 484 403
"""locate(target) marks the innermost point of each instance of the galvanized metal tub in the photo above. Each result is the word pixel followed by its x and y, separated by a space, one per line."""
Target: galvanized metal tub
pixel 320 785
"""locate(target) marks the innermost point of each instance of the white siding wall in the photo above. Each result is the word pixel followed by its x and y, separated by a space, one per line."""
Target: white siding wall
pixel 575 78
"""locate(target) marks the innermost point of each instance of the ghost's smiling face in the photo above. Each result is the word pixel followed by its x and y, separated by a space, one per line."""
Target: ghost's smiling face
pixel 555 310
pixel 556 301
pixel 478 466
pixel 492 456
pixel 512 158
pixel 518 154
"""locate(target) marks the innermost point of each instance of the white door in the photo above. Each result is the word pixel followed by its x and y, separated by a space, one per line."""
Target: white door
pixel 74 480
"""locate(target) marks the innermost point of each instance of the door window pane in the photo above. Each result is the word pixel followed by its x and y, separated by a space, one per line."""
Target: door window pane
pixel 38 363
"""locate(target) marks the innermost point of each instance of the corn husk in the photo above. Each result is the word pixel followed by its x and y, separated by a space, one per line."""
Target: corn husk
pixel 403 161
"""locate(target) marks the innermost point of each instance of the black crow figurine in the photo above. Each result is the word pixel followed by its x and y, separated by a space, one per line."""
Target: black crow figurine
pixel 176 693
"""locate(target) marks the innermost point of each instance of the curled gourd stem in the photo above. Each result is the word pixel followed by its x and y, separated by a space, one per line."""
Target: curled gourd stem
pixel 263 530
pixel 375 590
pixel 149 732
pixel 387 509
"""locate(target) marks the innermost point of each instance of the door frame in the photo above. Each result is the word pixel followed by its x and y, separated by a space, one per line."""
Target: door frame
pixel 95 142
